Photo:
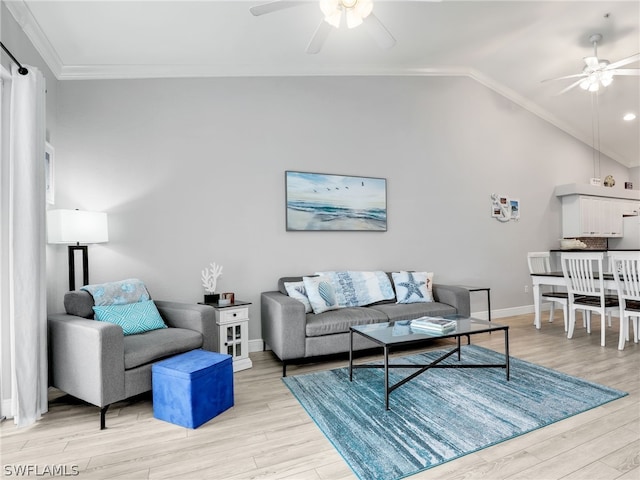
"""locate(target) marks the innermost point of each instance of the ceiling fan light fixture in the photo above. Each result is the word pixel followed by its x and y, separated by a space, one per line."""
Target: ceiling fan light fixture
pixel 606 79
pixel 360 9
pixel 353 19
pixel 334 19
pixel 591 62
pixel 332 11
pixel 356 11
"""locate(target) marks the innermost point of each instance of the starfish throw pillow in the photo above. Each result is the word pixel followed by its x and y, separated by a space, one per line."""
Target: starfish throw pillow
pixel 413 287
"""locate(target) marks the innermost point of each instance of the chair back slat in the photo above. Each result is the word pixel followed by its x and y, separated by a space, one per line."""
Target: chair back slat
pixel 579 271
pixel 626 272
pixel 538 262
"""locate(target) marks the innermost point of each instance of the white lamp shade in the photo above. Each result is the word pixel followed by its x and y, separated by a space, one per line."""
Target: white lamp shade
pixel 76 226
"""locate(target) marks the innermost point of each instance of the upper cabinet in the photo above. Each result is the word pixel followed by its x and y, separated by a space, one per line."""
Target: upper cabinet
pixel 584 216
pixel 589 211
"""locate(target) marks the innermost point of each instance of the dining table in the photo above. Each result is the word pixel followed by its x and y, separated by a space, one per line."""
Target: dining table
pixel 557 279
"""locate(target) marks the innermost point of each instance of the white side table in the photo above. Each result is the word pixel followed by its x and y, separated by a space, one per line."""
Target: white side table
pixel 233 332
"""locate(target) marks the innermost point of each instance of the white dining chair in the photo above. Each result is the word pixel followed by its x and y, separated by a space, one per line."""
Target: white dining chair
pixel 585 283
pixel 539 263
pixel 625 267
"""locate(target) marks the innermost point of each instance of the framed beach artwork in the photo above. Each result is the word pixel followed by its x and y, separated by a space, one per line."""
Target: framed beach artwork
pixel 324 202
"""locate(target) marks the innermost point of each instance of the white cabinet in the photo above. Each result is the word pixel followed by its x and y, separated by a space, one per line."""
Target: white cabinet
pixel 233 333
pixel 586 216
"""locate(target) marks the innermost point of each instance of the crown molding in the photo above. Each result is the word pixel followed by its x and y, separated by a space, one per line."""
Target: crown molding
pixel 544 114
pixel 20 11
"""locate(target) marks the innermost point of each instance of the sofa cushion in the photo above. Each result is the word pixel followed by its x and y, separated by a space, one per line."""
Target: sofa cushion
pixel 150 346
pixel 412 287
pixel 133 318
pixel 339 321
pixel 79 303
pixel 409 311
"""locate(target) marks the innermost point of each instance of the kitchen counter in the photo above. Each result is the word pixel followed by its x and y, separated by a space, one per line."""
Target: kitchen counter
pixel 596 250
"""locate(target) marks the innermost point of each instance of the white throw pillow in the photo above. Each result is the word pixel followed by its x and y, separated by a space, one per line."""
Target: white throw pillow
pixel 296 290
pixel 321 294
pixel 413 287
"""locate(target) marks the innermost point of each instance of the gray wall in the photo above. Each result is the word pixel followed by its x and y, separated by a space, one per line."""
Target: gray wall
pixel 192 171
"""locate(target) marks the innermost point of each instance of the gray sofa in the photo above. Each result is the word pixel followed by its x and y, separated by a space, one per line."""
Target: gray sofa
pixel 95 362
pixel 294 335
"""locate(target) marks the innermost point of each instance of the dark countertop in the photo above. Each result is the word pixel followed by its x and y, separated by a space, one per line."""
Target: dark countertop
pixel 596 250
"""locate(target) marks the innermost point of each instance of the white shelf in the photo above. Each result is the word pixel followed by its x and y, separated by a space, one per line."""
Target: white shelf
pixel 595 191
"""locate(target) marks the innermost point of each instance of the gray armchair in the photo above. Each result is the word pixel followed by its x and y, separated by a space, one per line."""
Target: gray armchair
pixel 95 362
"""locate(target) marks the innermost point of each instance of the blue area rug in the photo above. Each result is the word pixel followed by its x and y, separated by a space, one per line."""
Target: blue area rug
pixel 440 415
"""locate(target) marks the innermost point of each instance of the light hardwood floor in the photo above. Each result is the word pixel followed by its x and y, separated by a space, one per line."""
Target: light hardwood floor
pixel 268 435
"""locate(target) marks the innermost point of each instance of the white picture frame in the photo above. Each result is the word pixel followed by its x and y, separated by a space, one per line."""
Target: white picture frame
pixel 49 170
pixel 514 205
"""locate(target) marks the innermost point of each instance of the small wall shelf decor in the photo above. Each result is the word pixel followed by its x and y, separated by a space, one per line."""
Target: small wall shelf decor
pixel 317 201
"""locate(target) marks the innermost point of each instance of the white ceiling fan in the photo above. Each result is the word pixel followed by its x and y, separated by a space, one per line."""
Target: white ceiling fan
pixel 599 72
pixel 356 12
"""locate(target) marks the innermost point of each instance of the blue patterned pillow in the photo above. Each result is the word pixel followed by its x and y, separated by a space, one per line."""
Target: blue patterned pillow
pixel 134 318
pixel 413 287
pixel 358 288
pixel 321 293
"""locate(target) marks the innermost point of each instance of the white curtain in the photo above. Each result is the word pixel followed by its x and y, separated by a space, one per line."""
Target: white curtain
pixel 23 284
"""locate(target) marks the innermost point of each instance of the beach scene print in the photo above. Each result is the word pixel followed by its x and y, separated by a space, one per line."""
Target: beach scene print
pixel 335 202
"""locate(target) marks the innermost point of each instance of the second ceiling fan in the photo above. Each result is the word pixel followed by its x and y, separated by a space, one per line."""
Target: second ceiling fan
pixel 599 72
pixel 356 12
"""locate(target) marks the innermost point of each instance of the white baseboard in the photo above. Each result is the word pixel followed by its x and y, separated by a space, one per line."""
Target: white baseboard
pixel 256 345
pixel 507 312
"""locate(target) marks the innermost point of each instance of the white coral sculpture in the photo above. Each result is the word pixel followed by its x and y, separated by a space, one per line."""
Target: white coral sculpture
pixel 210 277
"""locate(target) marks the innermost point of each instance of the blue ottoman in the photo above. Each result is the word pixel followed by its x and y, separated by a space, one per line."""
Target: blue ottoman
pixel 192 388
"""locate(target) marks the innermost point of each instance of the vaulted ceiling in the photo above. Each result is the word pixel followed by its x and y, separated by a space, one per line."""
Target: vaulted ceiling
pixel 510 46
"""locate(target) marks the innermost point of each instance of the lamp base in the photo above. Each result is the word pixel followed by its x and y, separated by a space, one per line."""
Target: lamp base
pixel 72 265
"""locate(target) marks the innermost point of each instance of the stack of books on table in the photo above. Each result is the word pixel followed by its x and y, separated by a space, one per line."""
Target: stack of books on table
pixel 433 325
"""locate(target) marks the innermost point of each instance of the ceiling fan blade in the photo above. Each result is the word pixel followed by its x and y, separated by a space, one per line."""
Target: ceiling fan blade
pixel 573 85
pixel 319 37
pixel 626 71
pixel 274 7
pixel 379 32
pixel 624 61
pixel 566 76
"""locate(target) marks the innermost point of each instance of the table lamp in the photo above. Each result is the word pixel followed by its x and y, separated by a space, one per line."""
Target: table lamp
pixel 75 227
